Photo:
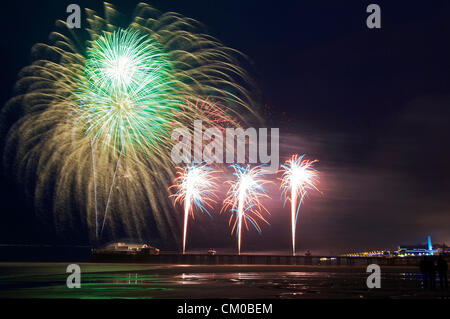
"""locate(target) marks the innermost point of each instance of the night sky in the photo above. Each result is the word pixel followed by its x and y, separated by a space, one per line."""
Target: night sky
pixel 372 105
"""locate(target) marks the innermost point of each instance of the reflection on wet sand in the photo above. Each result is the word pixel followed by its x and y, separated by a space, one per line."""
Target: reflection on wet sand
pixel 98 281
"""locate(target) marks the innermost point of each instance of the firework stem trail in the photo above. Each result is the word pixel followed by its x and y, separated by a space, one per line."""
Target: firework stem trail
pixel 299 176
pixel 240 216
pixel 293 216
pixel 187 208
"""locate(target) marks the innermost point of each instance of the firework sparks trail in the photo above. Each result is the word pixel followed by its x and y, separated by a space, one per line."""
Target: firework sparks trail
pixel 243 199
pixel 298 177
pixel 194 186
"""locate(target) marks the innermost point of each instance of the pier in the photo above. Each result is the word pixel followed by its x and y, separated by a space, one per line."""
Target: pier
pixel 250 259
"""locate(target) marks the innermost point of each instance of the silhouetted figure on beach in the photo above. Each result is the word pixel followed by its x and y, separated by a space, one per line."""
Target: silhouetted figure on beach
pixel 424 271
pixel 442 268
pixel 428 270
pixel 432 273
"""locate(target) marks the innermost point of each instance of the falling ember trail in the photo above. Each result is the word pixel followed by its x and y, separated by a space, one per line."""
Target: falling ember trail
pixel 95 191
pixel 110 193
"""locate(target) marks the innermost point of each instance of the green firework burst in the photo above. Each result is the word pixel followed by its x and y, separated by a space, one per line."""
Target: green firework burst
pixel 128 94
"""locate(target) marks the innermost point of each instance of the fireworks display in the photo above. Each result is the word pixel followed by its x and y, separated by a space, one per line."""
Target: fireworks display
pixel 298 177
pixel 243 199
pixel 93 117
pixel 195 185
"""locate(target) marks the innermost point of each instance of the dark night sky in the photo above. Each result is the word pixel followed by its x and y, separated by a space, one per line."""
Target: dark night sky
pixel 372 105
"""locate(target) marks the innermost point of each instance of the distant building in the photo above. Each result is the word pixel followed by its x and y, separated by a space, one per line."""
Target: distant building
pixel 405 251
pixel 417 250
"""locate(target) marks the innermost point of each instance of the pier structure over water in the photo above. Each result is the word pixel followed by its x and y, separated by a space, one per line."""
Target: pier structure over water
pixel 250 259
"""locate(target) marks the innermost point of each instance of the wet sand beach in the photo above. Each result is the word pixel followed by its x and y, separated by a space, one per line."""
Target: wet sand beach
pixel 137 281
